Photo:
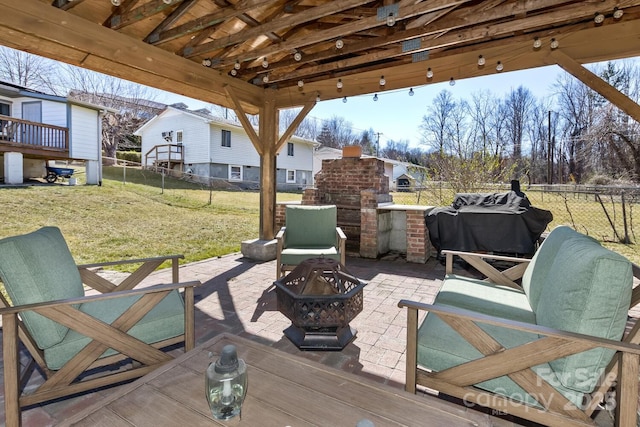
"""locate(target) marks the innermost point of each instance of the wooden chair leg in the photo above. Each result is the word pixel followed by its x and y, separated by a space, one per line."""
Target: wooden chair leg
pixel 11 370
pixel 412 350
pixel 189 320
pixel 627 390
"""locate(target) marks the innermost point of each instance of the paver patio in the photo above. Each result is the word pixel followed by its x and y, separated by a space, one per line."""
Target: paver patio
pixel 237 297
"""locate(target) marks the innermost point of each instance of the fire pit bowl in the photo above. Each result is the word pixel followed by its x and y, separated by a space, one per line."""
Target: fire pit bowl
pixel 320 297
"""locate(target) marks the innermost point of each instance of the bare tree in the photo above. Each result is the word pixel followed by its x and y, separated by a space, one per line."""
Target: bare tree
pixel 337 132
pixel 31 71
pixel 129 105
pixel 436 124
pixel 518 104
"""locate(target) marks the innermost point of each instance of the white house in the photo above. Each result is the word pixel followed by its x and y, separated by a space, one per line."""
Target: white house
pixel 36 127
pixel 210 147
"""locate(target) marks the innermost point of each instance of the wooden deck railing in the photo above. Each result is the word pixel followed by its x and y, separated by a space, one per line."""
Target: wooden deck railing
pixel 164 153
pixel 19 133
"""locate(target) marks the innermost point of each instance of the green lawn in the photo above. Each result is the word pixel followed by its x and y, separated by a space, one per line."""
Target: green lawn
pixel 132 216
pixel 137 218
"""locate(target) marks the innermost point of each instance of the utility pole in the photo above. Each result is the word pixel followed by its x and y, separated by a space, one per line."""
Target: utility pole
pixel 378 143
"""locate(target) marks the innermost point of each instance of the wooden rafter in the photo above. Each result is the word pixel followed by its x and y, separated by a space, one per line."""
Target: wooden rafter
pixel 590 79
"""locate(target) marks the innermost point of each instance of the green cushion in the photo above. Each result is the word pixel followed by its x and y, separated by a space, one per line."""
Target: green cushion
pixel 164 321
pixel 296 256
pixel 38 267
pixel 483 297
pixel 534 280
pixel 310 226
pixel 588 291
pixel 440 347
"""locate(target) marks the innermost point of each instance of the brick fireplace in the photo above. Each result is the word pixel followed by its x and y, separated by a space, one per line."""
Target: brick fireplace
pixel 359 188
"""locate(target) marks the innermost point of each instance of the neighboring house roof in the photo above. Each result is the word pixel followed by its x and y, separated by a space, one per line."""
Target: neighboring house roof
pixel 12 90
pixel 208 118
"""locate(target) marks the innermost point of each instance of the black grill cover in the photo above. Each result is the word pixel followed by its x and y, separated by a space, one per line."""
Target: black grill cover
pixel 488 222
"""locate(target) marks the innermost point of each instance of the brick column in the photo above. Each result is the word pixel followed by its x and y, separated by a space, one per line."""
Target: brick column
pixel 368 224
pixel 418 243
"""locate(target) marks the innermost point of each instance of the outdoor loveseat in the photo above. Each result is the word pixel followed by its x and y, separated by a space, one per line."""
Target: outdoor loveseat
pixel 551 348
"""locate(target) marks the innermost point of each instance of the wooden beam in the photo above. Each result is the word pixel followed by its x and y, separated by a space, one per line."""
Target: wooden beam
pixel 429 41
pixel 295 123
pixel 286 22
pixel 138 14
pixel 65 37
pixel 246 124
pixel 206 21
pixel 590 79
pixel 174 17
pixel 408 10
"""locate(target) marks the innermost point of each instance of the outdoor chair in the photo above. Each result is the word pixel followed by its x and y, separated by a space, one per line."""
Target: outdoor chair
pixel 543 340
pixel 309 232
pixel 82 341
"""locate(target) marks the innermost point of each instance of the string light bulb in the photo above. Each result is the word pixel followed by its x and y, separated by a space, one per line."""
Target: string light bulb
pixel 236 65
pixel 537 43
pixel 382 81
pixel 339 84
pixel 166 1
pixel 598 18
pixel 318 97
pixel 344 100
pixel 339 44
pixel 265 78
pixel 375 97
pixel 234 72
pixel 206 62
pixel 297 56
pixel 554 44
pixel 499 66
pixel 116 2
pixel 411 92
pixel 452 82
pixel 617 13
pixel 481 61
pixel 300 83
pixel 391 19
pixel 429 73
pixel 265 63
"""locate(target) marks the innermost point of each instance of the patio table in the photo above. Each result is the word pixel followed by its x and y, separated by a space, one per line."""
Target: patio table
pixel 284 390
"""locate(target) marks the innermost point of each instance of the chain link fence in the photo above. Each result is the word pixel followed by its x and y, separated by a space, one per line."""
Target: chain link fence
pixel 609 214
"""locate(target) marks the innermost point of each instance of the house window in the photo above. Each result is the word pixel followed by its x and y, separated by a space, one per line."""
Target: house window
pixel 290 149
pixel 178 137
pixel 291 175
pixel 235 173
pixel 226 138
pixel 5 109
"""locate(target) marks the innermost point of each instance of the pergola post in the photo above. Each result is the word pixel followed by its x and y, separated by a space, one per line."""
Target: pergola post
pixel 268 136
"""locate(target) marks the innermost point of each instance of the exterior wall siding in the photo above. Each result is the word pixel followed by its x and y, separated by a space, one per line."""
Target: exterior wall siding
pixel 83 136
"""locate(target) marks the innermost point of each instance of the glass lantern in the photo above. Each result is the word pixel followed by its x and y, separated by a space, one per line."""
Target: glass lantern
pixel 226 384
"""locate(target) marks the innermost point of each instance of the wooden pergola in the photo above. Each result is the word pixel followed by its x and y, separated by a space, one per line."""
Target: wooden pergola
pixel 261 56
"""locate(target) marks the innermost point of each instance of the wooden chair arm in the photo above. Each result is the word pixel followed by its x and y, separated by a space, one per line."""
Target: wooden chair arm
pixel 100 297
pixel 493 275
pixel 517 325
pixel 131 261
pixel 340 233
pixel 91 277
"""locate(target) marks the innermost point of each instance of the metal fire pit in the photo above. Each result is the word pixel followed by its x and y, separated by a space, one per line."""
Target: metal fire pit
pixel 320 297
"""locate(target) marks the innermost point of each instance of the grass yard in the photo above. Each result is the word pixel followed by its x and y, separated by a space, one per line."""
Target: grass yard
pixel 136 219
pixel 132 216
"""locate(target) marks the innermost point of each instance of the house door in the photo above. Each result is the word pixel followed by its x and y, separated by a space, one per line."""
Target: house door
pixel 32 111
